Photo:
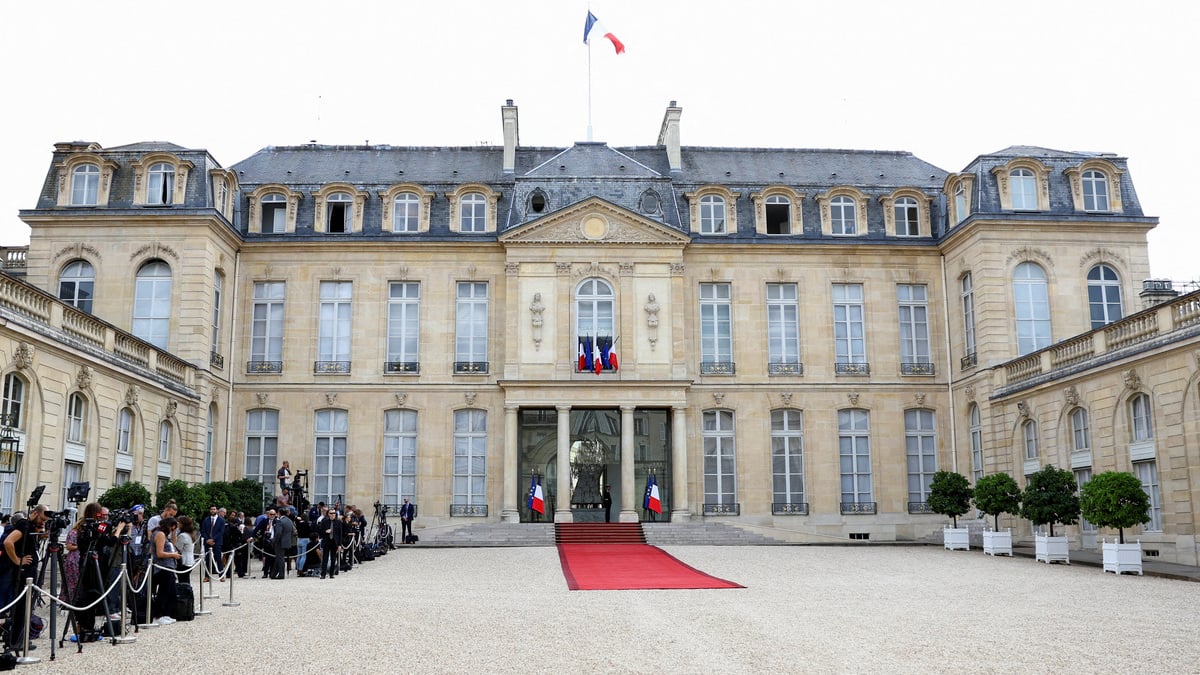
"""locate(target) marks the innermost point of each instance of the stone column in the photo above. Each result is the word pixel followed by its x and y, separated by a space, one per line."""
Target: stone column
pixel 509 512
pixel 628 512
pixel 679 467
pixel 562 503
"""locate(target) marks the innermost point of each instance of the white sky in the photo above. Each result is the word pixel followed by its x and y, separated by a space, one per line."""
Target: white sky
pixel 946 81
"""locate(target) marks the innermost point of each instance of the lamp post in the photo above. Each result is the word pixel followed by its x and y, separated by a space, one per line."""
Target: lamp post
pixel 10 444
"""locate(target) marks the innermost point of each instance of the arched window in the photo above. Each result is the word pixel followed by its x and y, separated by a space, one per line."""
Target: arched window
pixel 76 285
pixel 843 215
pixel 160 184
pixel 1141 418
pixel 1095 191
pixel 1022 187
pixel 274 213
pixel 164 442
pixel 720 458
pixel 124 430
pixel 787 458
pixel 13 410
pixel 262 443
pixel 152 303
pixel 85 185
pixel 472 213
pixel 779 215
pixel 399 456
pixel 406 212
pixel 1029 433
pixel 594 323
pixel 76 414
pixel 1032 305
pixel 1104 295
pixel 218 289
pixel 975 428
pixel 960 203
pixel 339 208
pixel 712 214
pixel 907 217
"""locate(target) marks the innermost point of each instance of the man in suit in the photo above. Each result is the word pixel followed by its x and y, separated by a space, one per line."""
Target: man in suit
pixel 408 511
pixel 285 539
pixel 212 531
pixel 330 528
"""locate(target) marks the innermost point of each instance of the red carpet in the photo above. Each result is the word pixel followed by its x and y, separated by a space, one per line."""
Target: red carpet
pixel 629 567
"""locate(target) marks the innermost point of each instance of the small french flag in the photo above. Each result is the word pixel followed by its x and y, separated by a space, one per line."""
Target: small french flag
pixel 593 25
pixel 654 500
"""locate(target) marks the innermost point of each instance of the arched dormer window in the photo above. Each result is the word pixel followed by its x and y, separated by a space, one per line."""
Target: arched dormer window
pixel 1104 296
pixel 76 285
pixel 1095 186
pixel 339 213
pixel 1095 191
pixel 712 214
pixel 1023 190
pixel 537 204
pixel 843 212
pixel 473 209
pixel 160 184
pixel 843 215
pixel 472 212
pixel 405 208
pixel 595 325
pixel 906 213
pixel 777 211
pixel 160 179
pixel 1024 185
pixel 85 185
pixel 338 209
pixel 273 209
pixel 274 213
pixel 712 210
pixel 957 190
pixel 84 179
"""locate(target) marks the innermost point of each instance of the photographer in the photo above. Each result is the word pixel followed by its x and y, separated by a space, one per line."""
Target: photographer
pixel 94 539
pixel 18 563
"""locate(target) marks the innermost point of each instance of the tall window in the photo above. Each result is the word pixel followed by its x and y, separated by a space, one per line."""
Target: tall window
pixel 164 442
pixel 262 443
pixel 274 213
pixel 470 327
pixel 1095 191
pixel 1081 435
pixel 849 331
pixel 960 202
pixel 399 456
pixel 339 209
pixel 1023 187
pixel 329 469
pixel 914 328
pixel 406 213
pixel 218 287
pixel 975 428
pixel 1143 423
pixel 843 214
pixel 333 340
pixel 1032 308
pixel 85 185
pixel 1147 472
pixel 1104 295
pixel 14 401
pixel 160 184
pixel 787 456
pixel 594 302
pixel 921 451
pixel 72 472
pixel 854 451
pixel 266 332
pixel 716 328
pixel 152 303
pixel 907 216
pixel 720 458
pixel 779 215
pixel 76 416
pixel 712 214
pixel 124 430
pixel 404 312
pixel 209 435
pixel 470 458
pixel 783 326
pixel 472 212
pixel 1029 432
pixel 76 285
pixel 968 306
pixel 1082 476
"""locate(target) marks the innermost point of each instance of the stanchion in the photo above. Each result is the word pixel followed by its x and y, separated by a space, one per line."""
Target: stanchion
pixel 230 602
pixel 200 611
pixel 148 580
pixel 28 610
pixel 123 638
pixel 212 572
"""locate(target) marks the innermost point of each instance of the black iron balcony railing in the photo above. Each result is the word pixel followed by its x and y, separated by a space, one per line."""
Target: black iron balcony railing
pixel 723 509
pixel 968 361
pixel 789 509
pixel 916 369
pixel 331 367
pixel 860 508
pixel 717 368
pixel 855 369
pixel 402 367
pixel 263 367
pixel 470 367
pixel 785 368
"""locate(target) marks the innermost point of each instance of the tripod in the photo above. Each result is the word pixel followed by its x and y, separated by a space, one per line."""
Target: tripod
pixel 89 564
pixel 383 534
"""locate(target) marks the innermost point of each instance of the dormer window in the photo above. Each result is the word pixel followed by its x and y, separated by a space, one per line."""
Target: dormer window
pixel 908 222
pixel 274 213
pixel 537 202
pixel 338 211
pixel 712 214
pixel 473 212
pixel 843 215
pixel 407 214
pixel 779 215
pixel 85 185
pixel 1023 188
pixel 160 185
pixel 1095 191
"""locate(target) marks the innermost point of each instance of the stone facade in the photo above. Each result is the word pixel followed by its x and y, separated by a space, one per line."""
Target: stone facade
pixel 759 299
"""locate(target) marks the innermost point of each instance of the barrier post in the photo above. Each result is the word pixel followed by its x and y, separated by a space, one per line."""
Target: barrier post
pixel 28 610
pixel 123 638
pixel 230 602
pixel 212 571
pixel 148 580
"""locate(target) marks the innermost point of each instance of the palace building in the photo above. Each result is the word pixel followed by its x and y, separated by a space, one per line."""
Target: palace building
pixel 787 340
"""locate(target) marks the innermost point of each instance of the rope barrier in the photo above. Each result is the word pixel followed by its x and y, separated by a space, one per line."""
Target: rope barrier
pixel 98 600
pixel 15 600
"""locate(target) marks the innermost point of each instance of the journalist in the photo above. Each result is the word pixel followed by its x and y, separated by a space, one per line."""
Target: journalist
pixel 94 540
pixel 19 563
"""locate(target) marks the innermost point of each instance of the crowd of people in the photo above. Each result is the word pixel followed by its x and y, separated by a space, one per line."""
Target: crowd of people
pixel 322 542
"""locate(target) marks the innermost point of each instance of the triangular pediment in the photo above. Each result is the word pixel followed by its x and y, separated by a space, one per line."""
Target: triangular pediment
pixel 591 160
pixel 595 221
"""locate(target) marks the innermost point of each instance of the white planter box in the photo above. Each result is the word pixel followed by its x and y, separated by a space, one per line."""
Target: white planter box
pixel 1051 549
pixel 1122 558
pixel 956 538
pixel 997 543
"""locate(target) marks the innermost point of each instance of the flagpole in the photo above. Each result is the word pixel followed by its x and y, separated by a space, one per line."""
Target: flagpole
pixel 589 93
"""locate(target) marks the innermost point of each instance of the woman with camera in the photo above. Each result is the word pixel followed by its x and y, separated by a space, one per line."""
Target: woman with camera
pixel 164 556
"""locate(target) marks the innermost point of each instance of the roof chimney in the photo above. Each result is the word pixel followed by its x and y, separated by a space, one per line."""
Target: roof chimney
pixel 508 113
pixel 669 136
pixel 1156 292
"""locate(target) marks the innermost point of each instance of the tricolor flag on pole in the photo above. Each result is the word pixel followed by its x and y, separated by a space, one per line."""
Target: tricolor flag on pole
pixel 536 501
pixel 532 490
pixel 654 500
pixel 593 26
pixel 583 363
pixel 608 354
pixel 646 497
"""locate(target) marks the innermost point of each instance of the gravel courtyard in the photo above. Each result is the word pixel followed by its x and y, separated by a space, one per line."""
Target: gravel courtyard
pixel 804 609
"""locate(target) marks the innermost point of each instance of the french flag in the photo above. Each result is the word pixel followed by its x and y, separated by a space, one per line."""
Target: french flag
pixel 583 354
pixel 536 501
pixel 608 354
pixel 653 499
pixel 593 25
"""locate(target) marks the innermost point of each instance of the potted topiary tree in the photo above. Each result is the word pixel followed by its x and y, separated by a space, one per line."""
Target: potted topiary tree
pixel 1050 498
pixel 996 494
pixel 1116 499
pixel 950 495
